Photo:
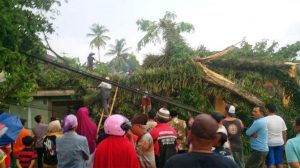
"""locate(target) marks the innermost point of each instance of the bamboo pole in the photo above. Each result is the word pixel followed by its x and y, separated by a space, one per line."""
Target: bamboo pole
pixel 100 121
pixel 113 103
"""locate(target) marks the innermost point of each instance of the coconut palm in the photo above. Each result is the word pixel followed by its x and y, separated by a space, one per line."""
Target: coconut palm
pixel 99 39
pixel 168 30
pixel 119 63
pixel 166 26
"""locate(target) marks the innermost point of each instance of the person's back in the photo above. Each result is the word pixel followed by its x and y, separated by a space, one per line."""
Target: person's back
pixel 199 160
pixel 164 138
pixel 180 127
pixel 86 127
pixel 26 157
pixel 49 144
pixel 39 131
pixel 72 149
pixel 275 126
pixel 203 137
pixel 116 151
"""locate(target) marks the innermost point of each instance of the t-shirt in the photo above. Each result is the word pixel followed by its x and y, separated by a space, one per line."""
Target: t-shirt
pixel 18 144
pixel 145 151
pixel 39 132
pixel 260 143
pixel 50 155
pixel 223 152
pixel 275 127
pixel 292 149
pixel 199 160
pixel 234 130
pixel 180 127
pixel 26 156
pixel 70 149
pixel 164 137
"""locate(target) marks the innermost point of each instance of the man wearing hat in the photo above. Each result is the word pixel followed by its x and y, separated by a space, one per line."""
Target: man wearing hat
pixel 234 127
pixel 90 61
pixel 164 138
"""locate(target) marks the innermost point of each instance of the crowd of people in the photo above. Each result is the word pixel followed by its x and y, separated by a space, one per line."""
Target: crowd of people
pixel 155 140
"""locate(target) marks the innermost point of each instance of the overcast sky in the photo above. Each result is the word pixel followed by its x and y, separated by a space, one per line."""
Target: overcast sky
pixel 218 23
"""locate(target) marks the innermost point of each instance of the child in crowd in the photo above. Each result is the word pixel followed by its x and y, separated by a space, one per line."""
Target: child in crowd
pixel 26 157
pixel 219 146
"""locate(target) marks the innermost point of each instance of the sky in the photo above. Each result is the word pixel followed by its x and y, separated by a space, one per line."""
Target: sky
pixel 218 23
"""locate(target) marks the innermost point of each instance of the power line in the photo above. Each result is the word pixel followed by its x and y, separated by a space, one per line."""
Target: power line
pixel 95 77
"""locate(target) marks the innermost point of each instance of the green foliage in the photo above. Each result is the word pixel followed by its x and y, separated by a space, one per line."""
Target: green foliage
pixel 176 50
pixel 21 23
pixel 123 62
pixel 118 49
pixel 264 51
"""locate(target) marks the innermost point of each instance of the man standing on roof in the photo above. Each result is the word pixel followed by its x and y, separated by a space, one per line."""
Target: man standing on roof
pixel 90 61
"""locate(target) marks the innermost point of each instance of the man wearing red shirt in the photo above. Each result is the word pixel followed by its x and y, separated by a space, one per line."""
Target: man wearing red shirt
pixel 164 138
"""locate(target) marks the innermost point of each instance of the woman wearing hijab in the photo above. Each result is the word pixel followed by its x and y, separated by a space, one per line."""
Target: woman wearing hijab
pixel 72 149
pixel 116 150
pixel 86 127
pixel 49 144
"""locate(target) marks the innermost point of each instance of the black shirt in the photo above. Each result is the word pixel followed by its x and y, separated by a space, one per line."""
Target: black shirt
pixel 199 160
pixel 234 130
pixel 50 155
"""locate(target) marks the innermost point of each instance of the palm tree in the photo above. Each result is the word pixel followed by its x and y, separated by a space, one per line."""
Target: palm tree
pixel 170 32
pixel 119 63
pixel 166 26
pixel 99 39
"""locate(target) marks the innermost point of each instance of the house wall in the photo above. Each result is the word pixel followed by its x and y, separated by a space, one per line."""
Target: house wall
pixel 37 107
pixel 45 106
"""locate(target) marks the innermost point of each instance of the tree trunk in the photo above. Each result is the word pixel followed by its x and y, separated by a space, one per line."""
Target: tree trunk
pixel 219 80
pixel 99 53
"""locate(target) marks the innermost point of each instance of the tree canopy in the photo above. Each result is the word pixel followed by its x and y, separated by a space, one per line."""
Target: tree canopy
pixel 22 23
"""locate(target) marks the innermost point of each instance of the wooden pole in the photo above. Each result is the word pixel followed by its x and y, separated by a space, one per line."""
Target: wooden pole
pixel 113 103
pixel 100 121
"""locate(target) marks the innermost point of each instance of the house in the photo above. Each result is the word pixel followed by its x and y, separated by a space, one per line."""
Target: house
pixel 48 103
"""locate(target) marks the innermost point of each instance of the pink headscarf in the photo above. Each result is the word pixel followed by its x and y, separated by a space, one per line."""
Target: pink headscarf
pixel 86 127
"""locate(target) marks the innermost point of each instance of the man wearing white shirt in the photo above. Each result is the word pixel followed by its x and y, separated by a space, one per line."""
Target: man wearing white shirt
pixel 276 137
pixel 105 89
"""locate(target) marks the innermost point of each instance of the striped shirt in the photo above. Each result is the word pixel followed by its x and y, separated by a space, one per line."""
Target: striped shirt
pixel 26 156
